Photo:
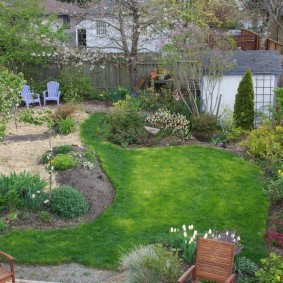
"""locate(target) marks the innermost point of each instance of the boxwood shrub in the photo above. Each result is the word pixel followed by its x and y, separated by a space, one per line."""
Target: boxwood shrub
pixel 68 202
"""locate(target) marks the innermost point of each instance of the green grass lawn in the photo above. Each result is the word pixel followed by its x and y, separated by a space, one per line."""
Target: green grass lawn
pixel 156 188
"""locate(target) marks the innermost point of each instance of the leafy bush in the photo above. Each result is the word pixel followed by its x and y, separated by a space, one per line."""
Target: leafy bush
pixel 62 149
pixel 152 101
pixel 176 123
pixel 75 85
pixel 274 235
pixel 22 189
pixel 63 162
pixel 265 143
pixel 111 95
pixel 275 187
pixel 62 120
pixel 126 124
pixel 151 264
pixel 271 270
pixel 68 202
pixel 90 156
pixel 278 111
pixel 66 126
pixel 10 85
pixel 204 127
pixel 244 113
pixel 3 225
pixel 245 269
pixel 63 111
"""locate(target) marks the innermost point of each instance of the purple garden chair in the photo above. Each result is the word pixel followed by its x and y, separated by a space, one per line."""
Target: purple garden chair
pixel 52 92
pixel 28 96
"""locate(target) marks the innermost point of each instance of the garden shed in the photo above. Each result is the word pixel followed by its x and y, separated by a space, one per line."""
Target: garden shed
pixel 266 70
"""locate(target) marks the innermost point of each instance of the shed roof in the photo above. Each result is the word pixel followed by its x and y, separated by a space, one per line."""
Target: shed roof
pixel 260 62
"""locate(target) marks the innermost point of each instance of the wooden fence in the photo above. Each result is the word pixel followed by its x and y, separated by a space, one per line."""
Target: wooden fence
pixel 109 74
pixel 249 40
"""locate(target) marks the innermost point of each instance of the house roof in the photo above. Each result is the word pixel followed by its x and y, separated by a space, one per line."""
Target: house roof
pixel 61 8
pixel 260 62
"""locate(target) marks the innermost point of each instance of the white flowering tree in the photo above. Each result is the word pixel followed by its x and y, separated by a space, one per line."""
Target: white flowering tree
pixel 10 85
pixel 24 32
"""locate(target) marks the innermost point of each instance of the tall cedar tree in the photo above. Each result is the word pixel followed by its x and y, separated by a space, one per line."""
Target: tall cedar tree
pixel 244 112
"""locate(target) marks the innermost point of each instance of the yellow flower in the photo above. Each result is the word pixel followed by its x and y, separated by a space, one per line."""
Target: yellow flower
pixel 278 278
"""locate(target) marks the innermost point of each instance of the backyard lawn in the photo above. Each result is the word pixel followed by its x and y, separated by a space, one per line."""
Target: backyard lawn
pixel 156 188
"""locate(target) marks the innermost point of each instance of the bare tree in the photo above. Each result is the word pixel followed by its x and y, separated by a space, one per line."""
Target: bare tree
pixel 265 12
pixel 128 24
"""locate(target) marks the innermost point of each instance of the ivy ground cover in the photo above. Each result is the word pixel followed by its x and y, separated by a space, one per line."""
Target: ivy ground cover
pixel 156 188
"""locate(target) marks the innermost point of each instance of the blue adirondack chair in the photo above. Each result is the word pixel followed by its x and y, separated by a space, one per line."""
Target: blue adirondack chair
pixel 28 96
pixel 52 92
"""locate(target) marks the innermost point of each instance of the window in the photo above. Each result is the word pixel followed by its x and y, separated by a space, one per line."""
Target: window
pixel 81 33
pixel 65 20
pixel 100 27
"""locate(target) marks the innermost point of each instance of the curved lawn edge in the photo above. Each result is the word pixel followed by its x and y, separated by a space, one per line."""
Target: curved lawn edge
pixel 156 188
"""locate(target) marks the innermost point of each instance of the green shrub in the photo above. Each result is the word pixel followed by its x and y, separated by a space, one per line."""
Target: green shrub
pixel 111 95
pixel 62 149
pixel 204 127
pixel 244 113
pixel 68 202
pixel 66 126
pixel 62 122
pixel 22 189
pixel 271 270
pixel 90 156
pixel 126 125
pixel 75 85
pixel 63 162
pixel 245 269
pixel 265 143
pixel 151 102
pixel 275 187
pixel 3 225
pixel 278 111
pixel 151 264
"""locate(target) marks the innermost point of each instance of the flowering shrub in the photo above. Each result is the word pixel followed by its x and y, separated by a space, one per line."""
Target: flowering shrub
pixel 185 240
pixel 272 269
pixel 177 123
pixel 10 85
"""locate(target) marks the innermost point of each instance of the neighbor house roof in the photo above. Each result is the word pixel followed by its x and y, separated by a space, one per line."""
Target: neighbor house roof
pixel 260 62
pixel 56 7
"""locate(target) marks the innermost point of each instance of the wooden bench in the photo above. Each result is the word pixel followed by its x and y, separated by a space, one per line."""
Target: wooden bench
pixel 6 275
pixel 214 261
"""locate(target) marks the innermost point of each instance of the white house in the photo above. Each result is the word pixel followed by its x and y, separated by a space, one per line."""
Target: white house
pixel 266 70
pixel 66 14
pixel 99 30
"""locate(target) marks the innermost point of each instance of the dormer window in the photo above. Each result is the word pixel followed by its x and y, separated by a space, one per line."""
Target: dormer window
pixel 100 27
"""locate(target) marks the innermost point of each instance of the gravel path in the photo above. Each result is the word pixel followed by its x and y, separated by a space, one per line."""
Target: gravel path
pixel 67 273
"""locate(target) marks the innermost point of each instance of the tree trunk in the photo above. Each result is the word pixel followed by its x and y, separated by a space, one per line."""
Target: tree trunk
pixel 133 73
